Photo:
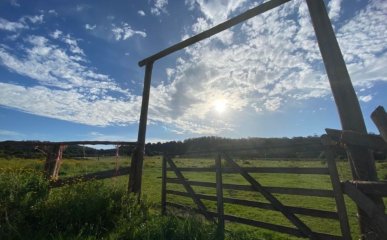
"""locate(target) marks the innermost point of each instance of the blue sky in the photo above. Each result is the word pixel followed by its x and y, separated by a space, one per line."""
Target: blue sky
pixel 68 69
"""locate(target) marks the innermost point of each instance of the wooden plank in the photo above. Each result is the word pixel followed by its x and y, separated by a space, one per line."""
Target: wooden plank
pixel 163 185
pixel 277 190
pixel 219 196
pixel 283 170
pixel 371 187
pixel 90 176
pixel 379 117
pixel 53 158
pixel 254 223
pixel 278 228
pixel 374 142
pixel 348 106
pixel 135 176
pixel 338 193
pixel 189 189
pixel 376 216
pixel 262 205
pixel 274 201
pixel 214 30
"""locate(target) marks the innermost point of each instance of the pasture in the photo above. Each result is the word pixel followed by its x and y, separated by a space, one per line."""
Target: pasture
pixel 151 189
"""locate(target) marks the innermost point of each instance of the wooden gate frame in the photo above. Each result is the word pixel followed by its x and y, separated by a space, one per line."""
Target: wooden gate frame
pixel 289 212
pixel 342 89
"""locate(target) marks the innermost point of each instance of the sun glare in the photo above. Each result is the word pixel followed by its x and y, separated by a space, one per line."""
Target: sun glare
pixel 220 105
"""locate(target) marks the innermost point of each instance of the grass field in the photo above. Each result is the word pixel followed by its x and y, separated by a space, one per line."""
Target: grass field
pixel 152 188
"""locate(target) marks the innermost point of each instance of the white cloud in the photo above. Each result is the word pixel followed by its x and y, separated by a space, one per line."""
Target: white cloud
pixel 334 7
pixel 56 34
pixel 15 3
pixel 277 62
pixel 90 27
pixel 366 98
pixel 160 6
pixel 58 67
pixel 141 13
pixel 216 10
pixel 70 105
pixel 53 12
pixel 11 26
pixel 124 31
pixel 37 19
pixel 6 134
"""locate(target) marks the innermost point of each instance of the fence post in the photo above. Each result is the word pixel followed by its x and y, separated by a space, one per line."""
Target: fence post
pixel 379 117
pixel 338 193
pixel 53 158
pixel 135 176
pixel 219 196
pixel 346 101
pixel 164 186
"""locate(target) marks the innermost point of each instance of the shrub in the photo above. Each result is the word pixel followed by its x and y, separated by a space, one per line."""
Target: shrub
pixel 21 193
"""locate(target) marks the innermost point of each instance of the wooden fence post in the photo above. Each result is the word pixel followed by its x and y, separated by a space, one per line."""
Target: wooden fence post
pixel 346 100
pixel 379 117
pixel 53 160
pixel 219 196
pixel 337 191
pixel 164 186
pixel 135 176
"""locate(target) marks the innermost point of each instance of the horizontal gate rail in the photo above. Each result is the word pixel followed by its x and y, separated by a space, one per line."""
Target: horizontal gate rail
pixel 262 205
pixel 90 176
pixel 254 223
pixel 285 170
pixel 277 190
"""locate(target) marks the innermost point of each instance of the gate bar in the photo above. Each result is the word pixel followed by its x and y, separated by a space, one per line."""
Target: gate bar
pixel 212 31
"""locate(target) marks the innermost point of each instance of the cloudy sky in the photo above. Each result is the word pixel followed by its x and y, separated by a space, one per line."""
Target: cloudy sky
pixel 68 69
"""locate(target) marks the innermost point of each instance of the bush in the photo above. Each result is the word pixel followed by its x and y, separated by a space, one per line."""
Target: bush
pixel 91 210
pixel 21 193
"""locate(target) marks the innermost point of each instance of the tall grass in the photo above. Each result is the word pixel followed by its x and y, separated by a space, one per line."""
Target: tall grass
pixel 92 210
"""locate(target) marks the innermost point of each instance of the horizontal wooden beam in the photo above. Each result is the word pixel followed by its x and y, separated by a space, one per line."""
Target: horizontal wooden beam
pixel 374 142
pixel 44 143
pixel 370 187
pixel 376 215
pixel 277 190
pixel 262 205
pixel 254 223
pixel 212 31
pixel 90 176
pixel 290 170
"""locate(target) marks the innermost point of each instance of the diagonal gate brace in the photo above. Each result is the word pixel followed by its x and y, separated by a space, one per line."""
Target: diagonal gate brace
pixel 202 208
pixel 274 201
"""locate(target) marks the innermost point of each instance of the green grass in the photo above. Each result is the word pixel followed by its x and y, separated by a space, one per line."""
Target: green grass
pixel 152 190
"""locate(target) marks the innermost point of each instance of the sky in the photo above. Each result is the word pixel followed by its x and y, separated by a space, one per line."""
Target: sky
pixel 69 69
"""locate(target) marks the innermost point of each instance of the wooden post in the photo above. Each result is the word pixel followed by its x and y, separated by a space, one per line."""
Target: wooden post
pixel 53 158
pixel 219 196
pixel 346 100
pixel 58 161
pixel 379 117
pixel 337 191
pixel 164 186
pixel 135 176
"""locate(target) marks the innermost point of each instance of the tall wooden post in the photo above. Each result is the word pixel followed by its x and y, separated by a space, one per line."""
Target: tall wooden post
pixel 219 197
pixel 164 186
pixel 135 176
pixel 346 101
pixel 53 160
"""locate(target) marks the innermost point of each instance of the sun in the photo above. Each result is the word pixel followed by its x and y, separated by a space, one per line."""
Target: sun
pixel 220 105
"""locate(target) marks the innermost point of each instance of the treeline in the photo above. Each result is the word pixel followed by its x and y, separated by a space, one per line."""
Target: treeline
pixel 296 147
